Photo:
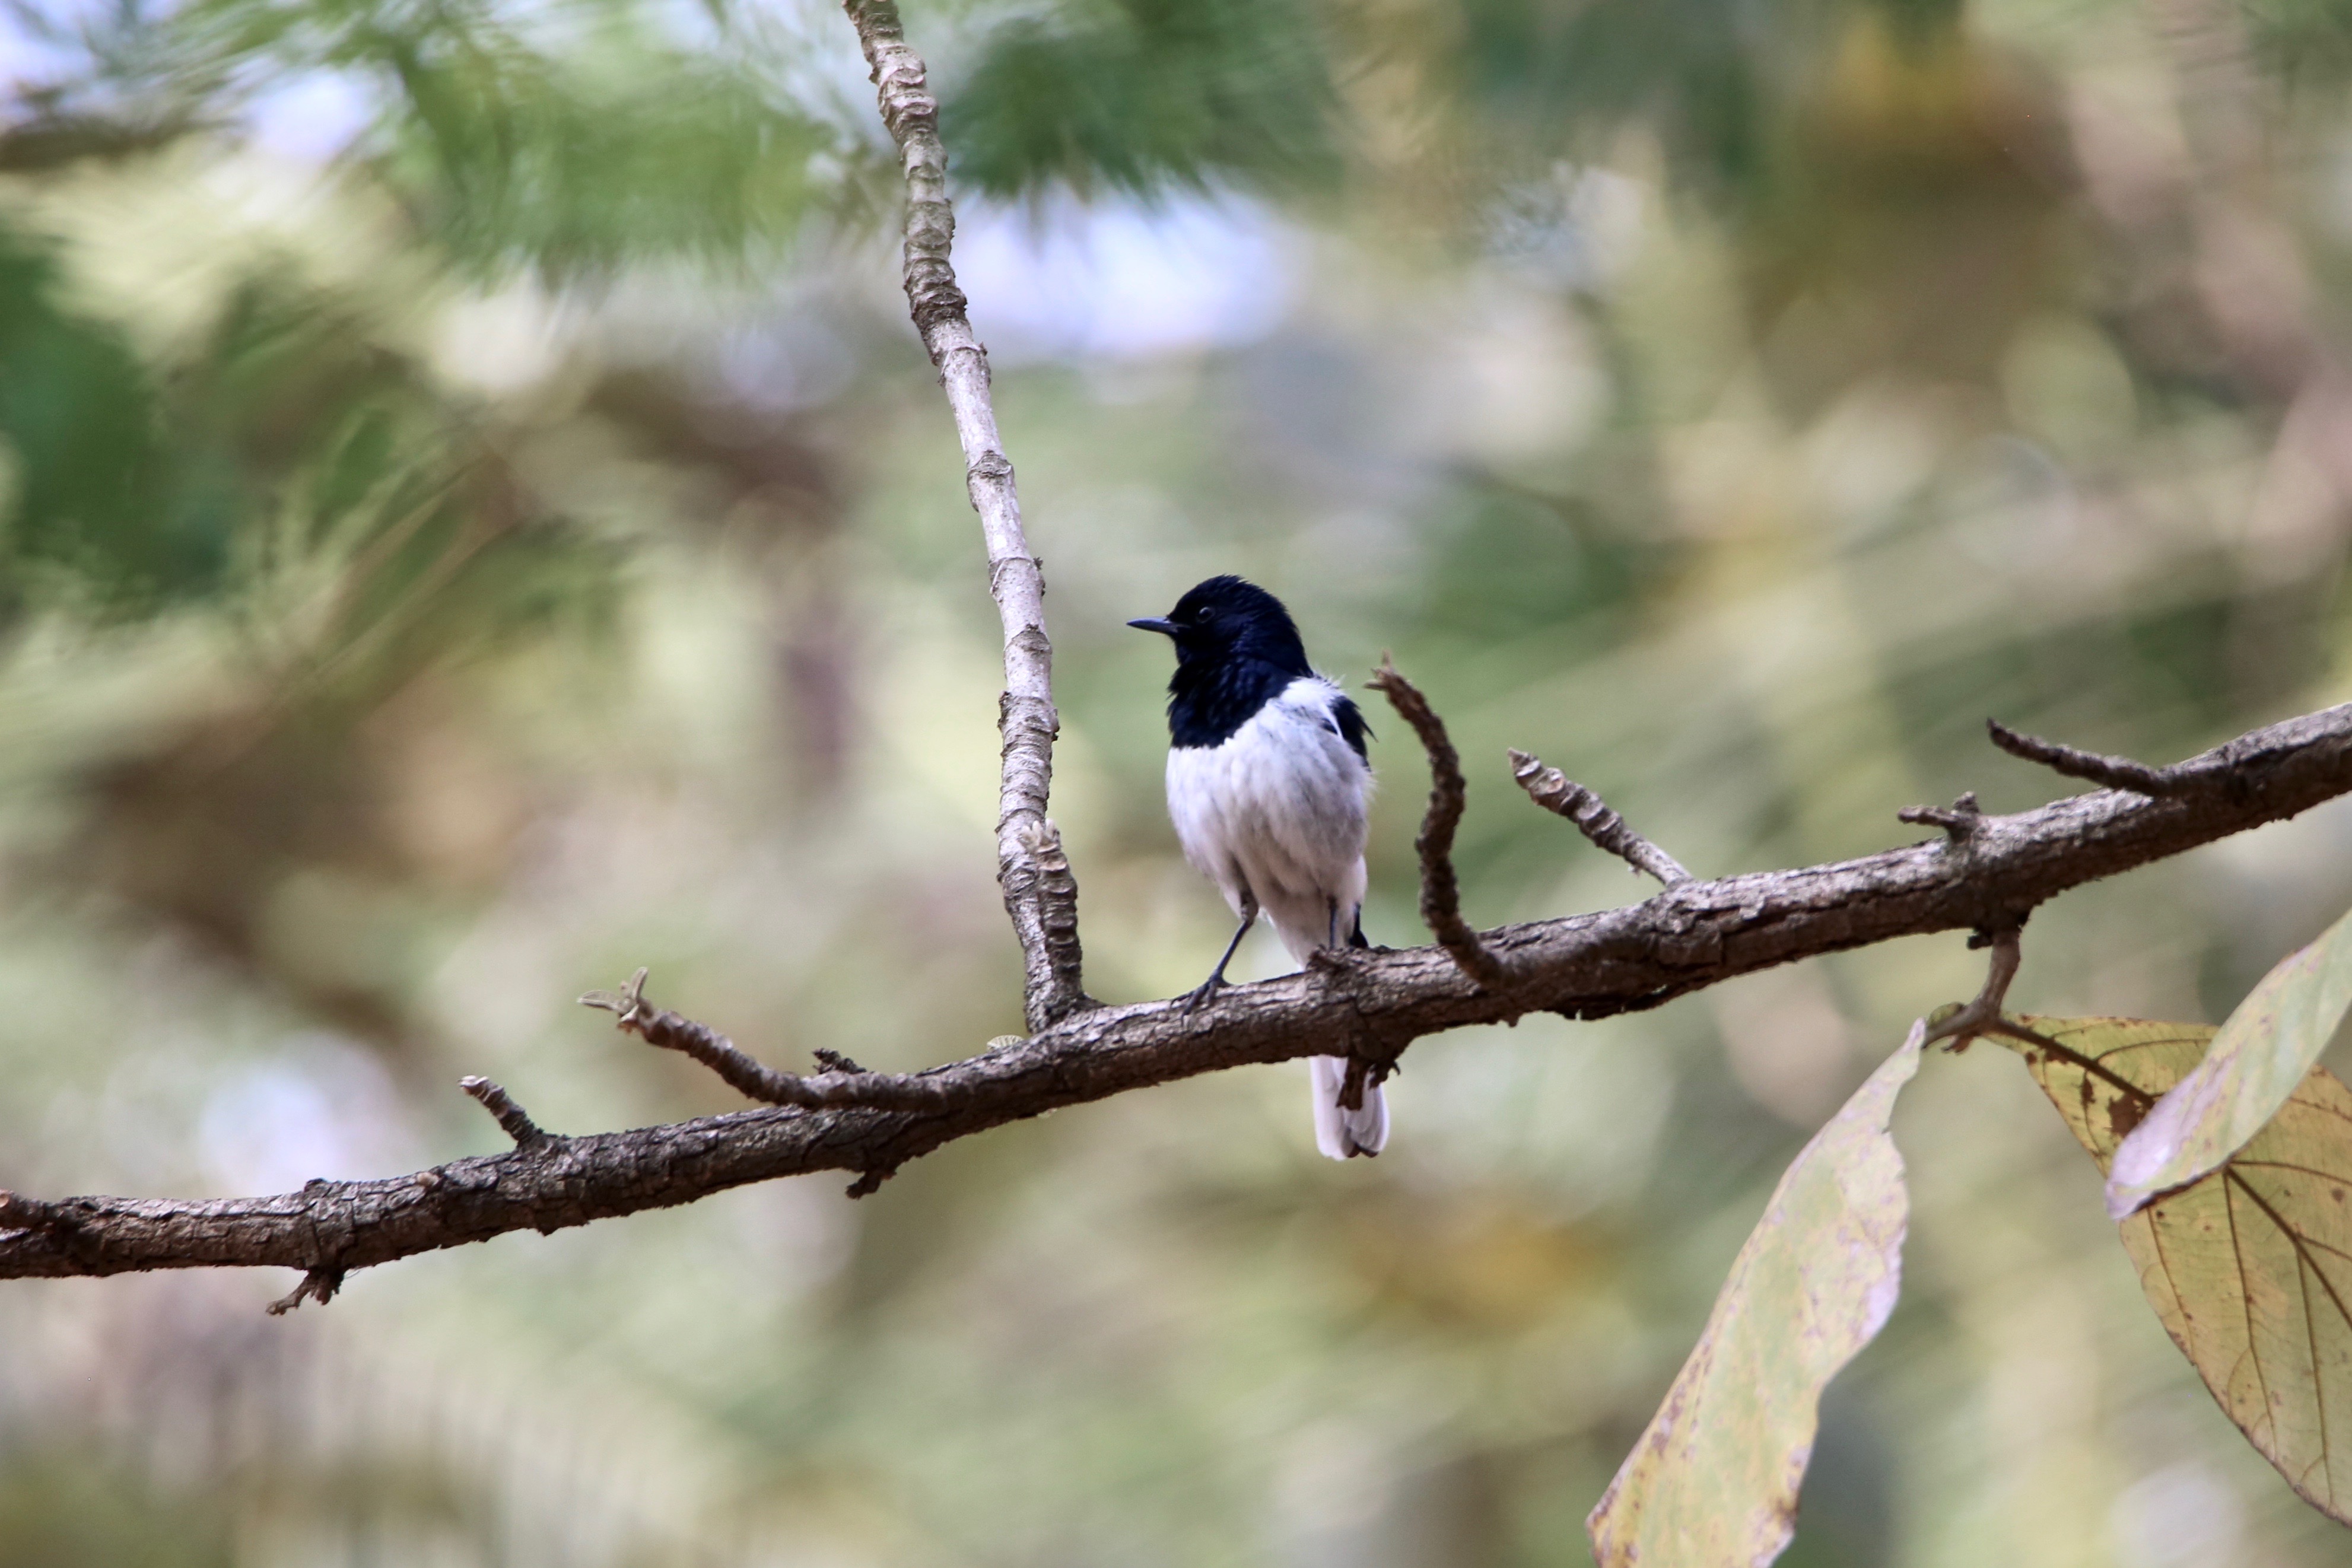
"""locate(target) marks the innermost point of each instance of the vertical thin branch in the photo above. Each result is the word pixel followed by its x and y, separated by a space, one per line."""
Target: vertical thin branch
pixel 1044 908
pixel 1441 895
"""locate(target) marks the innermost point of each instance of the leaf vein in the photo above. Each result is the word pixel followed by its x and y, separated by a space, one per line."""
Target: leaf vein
pixel 2304 1269
pixel 2344 1176
pixel 2246 1303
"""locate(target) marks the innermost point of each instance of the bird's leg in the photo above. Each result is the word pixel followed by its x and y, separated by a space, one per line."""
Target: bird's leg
pixel 1209 988
pixel 1336 956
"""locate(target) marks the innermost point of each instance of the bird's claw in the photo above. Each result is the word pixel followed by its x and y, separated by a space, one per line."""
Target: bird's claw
pixel 1203 993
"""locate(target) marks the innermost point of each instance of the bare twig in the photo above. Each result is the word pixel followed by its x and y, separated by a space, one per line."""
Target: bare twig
pixel 1555 791
pixel 1621 960
pixel 510 1116
pixel 753 1079
pixel 1958 819
pixel 1982 1013
pixel 1441 895
pixel 2115 772
pixel 1026 719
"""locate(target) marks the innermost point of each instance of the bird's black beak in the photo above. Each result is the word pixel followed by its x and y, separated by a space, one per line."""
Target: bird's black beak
pixel 1154 623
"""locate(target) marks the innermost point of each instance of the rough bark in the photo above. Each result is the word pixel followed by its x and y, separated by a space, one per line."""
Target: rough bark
pixel 1369 1005
pixel 1985 875
pixel 1043 903
pixel 1441 893
pixel 1555 792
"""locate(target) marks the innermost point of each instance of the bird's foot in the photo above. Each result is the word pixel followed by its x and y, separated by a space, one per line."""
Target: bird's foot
pixel 1339 963
pixel 1203 993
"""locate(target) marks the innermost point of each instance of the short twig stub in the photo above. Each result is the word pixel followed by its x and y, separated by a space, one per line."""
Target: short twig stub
pixel 318 1285
pixel 1555 791
pixel 526 1132
pixel 1960 820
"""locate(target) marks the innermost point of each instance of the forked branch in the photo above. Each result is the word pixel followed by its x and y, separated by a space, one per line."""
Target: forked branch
pixel 1693 936
pixel 1982 1013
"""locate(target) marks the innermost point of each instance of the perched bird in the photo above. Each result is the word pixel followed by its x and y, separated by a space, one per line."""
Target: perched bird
pixel 1268 782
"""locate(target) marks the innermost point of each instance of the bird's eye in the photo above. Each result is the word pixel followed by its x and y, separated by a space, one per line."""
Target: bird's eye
pixel 1206 615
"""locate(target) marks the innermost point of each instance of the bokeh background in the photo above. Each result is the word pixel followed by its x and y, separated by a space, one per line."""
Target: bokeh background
pixel 474 519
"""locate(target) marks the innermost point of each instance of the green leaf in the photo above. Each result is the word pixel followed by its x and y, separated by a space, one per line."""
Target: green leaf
pixel 1715 1477
pixel 2261 1054
pixel 2250 1267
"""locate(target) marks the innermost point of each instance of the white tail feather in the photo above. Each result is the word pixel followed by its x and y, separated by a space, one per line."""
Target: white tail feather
pixel 1339 1132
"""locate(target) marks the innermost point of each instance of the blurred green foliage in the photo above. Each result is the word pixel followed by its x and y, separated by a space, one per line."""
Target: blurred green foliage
pixel 1139 96
pixel 67 1508
pixel 98 500
pixel 474 518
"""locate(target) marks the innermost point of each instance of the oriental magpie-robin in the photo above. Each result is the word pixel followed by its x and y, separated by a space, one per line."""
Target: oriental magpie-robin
pixel 1267 781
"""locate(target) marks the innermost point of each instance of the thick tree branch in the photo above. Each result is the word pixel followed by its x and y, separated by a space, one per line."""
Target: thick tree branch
pixel 1441 893
pixel 1555 791
pixel 1042 903
pixel 1690 937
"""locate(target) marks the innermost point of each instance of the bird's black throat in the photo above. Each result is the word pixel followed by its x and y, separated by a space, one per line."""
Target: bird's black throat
pixel 1210 698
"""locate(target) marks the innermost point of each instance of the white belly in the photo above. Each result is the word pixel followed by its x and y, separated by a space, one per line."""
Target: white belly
pixel 1276 812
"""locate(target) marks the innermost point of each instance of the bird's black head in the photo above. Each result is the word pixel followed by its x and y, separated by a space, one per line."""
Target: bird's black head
pixel 1228 619
pixel 1237 649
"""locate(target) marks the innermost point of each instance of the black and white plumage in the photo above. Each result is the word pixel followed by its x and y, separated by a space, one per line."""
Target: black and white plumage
pixel 1268 783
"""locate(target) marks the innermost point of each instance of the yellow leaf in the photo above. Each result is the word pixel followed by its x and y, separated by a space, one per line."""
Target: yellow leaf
pixel 2249 1266
pixel 1714 1480
pixel 2256 1061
